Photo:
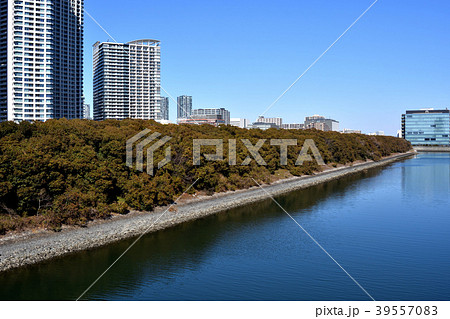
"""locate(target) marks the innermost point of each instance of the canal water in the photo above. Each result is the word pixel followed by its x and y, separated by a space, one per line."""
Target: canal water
pixel 388 227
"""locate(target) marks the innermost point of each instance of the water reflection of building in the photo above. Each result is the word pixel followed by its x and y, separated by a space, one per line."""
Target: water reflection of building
pixel 428 175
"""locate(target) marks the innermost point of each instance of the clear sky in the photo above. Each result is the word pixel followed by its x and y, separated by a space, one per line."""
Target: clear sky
pixel 242 55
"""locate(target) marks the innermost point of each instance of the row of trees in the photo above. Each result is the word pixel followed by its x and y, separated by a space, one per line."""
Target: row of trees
pixel 65 172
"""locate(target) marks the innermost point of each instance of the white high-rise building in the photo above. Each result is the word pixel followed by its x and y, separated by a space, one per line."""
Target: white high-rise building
pixel 41 59
pixel 127 80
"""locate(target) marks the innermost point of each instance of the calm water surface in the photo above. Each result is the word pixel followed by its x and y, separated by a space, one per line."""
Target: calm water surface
pixel 388 227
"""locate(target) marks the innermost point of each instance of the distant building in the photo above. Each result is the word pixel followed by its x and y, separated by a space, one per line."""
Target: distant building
pixel 320 126
pixel 184 107
pixel 275 120
pixel 212 113
pixel 321 123
pixel 86 111
pixel 313 119
pixel 239 122
pixel 399 134
pixel 263 126
pixel 214 120
pixel 348 131
pixel 127 80
pixel 211 116
pixel 293 126
pixel 164 107
pixel 427 127
pixel 377 133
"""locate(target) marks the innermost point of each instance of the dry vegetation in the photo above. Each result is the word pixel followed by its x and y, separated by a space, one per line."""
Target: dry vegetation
pixel 70 172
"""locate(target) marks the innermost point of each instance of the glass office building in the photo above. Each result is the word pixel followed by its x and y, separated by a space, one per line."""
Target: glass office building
pixel 427 127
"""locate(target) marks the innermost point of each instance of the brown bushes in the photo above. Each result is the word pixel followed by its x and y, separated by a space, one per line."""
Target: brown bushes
pixel 71 172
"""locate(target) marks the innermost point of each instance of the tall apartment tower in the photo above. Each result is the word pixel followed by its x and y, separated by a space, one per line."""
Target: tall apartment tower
pixel 164 106
pixel 127 80
pixel 184 109
pixel 41 59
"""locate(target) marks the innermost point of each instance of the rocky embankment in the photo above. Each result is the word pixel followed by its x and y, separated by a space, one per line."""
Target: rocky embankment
pixel 29 248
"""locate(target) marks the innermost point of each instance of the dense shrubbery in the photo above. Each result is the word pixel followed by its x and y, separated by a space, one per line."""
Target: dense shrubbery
pixel 70 172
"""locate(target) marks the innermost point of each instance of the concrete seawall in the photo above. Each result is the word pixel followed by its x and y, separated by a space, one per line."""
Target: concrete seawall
pixel 434 149
pixel 18 251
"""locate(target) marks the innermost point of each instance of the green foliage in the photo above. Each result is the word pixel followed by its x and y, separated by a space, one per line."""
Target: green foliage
pixel 65 172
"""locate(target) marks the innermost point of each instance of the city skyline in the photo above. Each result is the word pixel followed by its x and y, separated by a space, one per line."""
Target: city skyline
pixel 382 66
pixel 357 117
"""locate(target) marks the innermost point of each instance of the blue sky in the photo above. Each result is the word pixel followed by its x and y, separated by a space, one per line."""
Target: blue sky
pixel 242 55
